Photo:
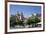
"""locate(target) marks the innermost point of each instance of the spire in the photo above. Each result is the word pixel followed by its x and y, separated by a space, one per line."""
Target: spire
pixel 17 13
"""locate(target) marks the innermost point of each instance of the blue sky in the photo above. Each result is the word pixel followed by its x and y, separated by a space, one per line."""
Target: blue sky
pixel 26 9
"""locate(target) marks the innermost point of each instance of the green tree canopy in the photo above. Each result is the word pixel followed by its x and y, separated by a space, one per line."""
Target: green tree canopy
pixel 33 20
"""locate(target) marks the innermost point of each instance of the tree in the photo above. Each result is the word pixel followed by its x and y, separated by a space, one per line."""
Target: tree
pixel 33 20
pixel 12 21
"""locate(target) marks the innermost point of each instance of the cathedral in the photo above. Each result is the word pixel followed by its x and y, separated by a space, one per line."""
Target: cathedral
pixel 19 16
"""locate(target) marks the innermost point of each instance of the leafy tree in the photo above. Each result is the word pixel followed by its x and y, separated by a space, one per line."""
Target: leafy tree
pixel 19 22
pixel 12 21
pixel 33 20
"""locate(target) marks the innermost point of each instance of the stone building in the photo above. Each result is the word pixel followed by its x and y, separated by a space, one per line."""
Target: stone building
pixel 19 16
